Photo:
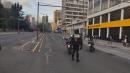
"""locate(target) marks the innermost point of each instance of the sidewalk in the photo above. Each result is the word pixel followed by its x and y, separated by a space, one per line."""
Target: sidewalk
pixel 114 48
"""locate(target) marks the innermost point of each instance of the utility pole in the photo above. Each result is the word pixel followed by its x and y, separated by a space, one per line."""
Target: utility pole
pixel 37 19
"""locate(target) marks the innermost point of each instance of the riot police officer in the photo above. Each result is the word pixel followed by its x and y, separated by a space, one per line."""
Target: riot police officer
pixel 76 50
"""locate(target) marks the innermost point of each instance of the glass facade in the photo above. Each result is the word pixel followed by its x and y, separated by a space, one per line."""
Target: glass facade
pixel 97 5
pixel 127 13
pixel 104 4
pixel 97 20
pixel 114 2
pixel 90 6
pixel 115 15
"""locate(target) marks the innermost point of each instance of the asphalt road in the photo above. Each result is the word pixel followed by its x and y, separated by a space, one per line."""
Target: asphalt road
pixel 53 58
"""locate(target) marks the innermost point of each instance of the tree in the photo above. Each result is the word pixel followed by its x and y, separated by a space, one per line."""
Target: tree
pixel 1 10
pixel 16 14
pixel 1 15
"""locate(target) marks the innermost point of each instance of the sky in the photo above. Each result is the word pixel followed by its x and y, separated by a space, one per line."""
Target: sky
pixel 30 7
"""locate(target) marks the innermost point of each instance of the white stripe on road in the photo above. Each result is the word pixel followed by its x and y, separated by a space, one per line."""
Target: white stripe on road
pixel 41 44
pixel 26 43
pixel 35 48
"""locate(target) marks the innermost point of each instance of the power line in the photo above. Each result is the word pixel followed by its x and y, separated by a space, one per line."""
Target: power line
pixel 49 5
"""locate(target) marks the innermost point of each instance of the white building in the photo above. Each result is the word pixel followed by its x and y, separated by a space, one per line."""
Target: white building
pixel 109 18
pixel 74 11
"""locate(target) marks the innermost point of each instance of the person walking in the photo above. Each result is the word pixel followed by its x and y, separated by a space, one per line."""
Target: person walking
pixel 76 50
pixel 125 41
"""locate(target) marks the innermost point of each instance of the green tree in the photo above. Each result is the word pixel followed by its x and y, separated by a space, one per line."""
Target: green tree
pixel 1 14
pixel 16 14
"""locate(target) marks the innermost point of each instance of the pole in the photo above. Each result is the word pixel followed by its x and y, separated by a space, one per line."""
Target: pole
pixel 37 19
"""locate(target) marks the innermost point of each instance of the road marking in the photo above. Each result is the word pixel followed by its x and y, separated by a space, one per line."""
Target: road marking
pixel 35 47
pixel 47 58
pixel 41 44
pixel 24 45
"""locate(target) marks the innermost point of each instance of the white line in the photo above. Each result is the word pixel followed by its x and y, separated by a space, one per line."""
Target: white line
pixel 24 45
pixel 37 45
pixel 27 43
pixel 41 45
pixel 47 58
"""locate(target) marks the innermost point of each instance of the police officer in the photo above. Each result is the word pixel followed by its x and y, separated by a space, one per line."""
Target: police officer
pixel 80 42
pixel 76 50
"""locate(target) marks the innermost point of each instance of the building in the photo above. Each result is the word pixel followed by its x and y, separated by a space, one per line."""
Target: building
pixel 46 24
pixel 109 18
pixel 57 16
pixel 57 19
pixel 44 19
pixel 7 4
pixel 31 21
pixel 53 26
pixel 74 11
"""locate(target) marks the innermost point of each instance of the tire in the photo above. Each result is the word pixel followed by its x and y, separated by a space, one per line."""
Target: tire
pixel 92 49
pixel 0 48
pixel 69 51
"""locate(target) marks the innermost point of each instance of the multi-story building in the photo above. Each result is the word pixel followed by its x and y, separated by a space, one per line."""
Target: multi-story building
pixel 109 18
pixel 57 16
pixel 44 19
pixel 74 11
pixel 46 24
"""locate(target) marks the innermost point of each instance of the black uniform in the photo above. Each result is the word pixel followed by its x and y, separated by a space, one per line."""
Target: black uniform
pixel 80 42
pixel 76 50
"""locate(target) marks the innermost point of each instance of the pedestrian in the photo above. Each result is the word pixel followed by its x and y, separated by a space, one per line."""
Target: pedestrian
pixel 110 39
pixel 76 48
pixel 125 41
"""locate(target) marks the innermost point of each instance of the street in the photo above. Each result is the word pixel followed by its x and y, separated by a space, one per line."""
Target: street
pixel 53 57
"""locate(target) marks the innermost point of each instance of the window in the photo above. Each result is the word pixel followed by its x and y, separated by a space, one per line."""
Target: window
pixel 116 15
pixel 97 20
pixel 104 18
pixel 90 21
pixel 127 13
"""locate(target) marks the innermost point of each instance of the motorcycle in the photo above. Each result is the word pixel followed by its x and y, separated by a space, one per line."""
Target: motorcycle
pixel 69 49
pixel 91 47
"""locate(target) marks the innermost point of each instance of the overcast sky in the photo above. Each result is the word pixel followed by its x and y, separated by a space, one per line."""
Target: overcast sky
pixel 30 7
